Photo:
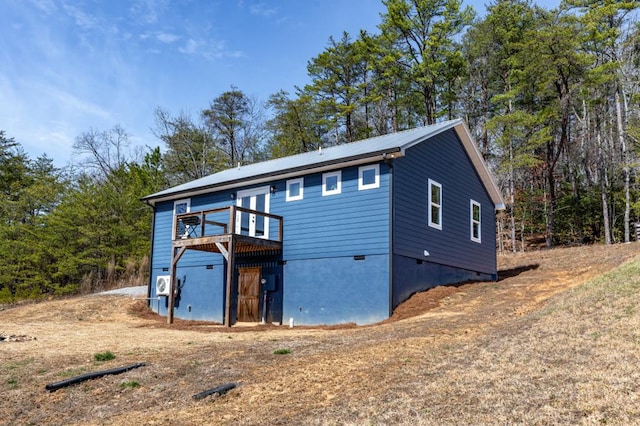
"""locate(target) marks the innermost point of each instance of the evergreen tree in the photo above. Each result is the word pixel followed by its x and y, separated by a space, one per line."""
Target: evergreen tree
pixel 338 78
pixel 294 127
pixel 424 32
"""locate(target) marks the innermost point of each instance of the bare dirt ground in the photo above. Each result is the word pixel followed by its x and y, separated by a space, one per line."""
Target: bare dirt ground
pixel 435 360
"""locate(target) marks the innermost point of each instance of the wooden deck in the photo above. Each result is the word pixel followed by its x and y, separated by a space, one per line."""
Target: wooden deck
pixel 244 244
pixel 208 229
pixel 229 231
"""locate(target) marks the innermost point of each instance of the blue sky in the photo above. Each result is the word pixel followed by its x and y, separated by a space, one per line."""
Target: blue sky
pixel 68 66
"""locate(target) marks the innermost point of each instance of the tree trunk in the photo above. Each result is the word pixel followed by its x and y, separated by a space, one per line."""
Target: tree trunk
pixel 603 191
pixel 552 207
pixel 625 165
pixel 429 104
pixel 512 191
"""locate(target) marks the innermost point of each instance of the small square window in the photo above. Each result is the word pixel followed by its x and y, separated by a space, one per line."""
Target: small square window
pixel 331 183
pixel 295 189
pixel 369 177
pixel 435 204
pixel 476 223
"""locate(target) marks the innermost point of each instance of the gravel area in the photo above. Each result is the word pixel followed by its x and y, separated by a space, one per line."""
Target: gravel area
pixel 140 290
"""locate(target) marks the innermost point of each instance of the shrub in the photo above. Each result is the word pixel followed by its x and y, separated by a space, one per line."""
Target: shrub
pixel 130 384
pixel 104 356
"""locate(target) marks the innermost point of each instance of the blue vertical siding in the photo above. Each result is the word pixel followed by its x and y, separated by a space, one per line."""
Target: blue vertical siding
pixel 201 293
pixel 323 284
pixel 337 290
pixel 349 223
pixel 203 288
pixel 346 224
pixel 411 276
pixel 452 255
pixel 443 160
pixel 349 257
pixel 321 235
pixel 163 229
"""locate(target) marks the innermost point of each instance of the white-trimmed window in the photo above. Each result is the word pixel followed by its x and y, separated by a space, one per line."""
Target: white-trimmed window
pixel 435 204
pixel 180 207
pixel 369 177
pixel 295 189
pixel 476 222
pixel 332 183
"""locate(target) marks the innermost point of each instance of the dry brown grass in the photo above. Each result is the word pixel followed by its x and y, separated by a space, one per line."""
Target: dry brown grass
pixel 537 347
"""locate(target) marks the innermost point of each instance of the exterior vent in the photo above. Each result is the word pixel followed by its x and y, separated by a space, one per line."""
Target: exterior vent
pixel 163 285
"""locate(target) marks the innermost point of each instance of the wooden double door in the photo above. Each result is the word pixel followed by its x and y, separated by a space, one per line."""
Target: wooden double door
pixel 249 294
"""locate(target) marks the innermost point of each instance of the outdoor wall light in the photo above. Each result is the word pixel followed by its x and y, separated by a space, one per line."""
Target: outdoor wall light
pixel 273 189
pixel 233 195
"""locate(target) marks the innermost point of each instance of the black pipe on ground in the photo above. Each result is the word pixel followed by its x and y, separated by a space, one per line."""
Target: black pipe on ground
pixel 220 390
pixel 83 377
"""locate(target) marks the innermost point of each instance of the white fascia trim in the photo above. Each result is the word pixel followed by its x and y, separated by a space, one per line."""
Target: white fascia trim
pixel 451 124
pixel 474 154
pixel 481 167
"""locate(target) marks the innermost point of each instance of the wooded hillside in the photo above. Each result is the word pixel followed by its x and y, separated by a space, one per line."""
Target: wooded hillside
pixel 551 97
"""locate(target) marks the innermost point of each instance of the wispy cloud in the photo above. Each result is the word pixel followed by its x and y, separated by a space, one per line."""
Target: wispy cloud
pixel 208 49
pixel 45 118
pixel 161 36
pixel 190 47
pixel 148 11
pixel 46 6
pixel 261 9
pixel 167 37
pixel 71 65
pixel 258 8
pixel 82 19
pixel 68 103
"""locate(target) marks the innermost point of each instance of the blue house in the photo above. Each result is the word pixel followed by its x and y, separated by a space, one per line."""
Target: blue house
pixel 339 235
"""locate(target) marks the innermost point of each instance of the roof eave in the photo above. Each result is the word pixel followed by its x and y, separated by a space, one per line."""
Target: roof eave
pixel 449 125
pixel 280 174
pixel 478 162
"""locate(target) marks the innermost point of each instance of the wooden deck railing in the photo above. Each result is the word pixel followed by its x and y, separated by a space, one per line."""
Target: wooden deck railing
pixel 225 220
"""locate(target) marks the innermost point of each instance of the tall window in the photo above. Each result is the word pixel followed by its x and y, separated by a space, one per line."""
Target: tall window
pixel 180 207
pixel 295 189
pixel 369 177
pixel 331 183
pixel 435 204
pixel 476 223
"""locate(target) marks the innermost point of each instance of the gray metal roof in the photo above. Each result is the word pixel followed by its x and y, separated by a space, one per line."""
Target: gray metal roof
pixel 335 155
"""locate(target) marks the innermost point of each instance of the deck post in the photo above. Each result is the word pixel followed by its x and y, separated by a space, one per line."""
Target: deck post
pixel 226 244
pixel 172 287
pixel 172 284
pixel 230 269
pixel 231 255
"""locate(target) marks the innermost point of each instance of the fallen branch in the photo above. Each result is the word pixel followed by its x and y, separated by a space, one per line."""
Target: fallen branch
pixel 220 390
pixel 83 377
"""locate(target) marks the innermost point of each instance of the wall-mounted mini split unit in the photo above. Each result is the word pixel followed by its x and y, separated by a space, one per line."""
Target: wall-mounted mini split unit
pixel 163 285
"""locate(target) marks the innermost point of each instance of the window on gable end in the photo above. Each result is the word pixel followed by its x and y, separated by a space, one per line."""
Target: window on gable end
pixel 476 222
pixel 332 183
pixel 435 204
pixel 295 189
pixel 369 177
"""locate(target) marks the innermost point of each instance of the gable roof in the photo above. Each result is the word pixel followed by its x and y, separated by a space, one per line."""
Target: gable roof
pixel 392 145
